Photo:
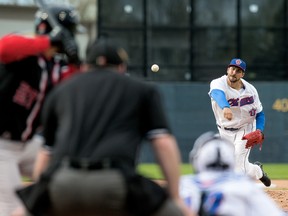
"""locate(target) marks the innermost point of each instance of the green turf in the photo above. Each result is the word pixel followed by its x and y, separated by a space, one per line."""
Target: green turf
pixel 275 171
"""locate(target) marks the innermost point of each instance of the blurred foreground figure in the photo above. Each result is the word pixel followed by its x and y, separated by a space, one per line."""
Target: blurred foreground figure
pixel 94 125
pixel 216 189
pixel 30 66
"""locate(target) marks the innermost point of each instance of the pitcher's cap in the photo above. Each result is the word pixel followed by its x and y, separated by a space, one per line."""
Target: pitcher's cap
pixel 238 63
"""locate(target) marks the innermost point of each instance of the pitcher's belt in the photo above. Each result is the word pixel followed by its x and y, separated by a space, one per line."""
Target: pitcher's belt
pixel 229 129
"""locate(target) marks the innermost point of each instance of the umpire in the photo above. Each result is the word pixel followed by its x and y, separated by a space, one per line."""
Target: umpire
pixel 94 125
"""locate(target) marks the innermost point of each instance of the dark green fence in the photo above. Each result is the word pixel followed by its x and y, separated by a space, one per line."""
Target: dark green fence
pixel 190 114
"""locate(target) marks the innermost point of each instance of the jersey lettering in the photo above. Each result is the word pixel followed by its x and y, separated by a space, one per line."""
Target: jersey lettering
pixel 188 201
pixel 233 101
pixel 25 95
pixel 243 101
pixel 252 112
pixel 247 100
pixel 212 202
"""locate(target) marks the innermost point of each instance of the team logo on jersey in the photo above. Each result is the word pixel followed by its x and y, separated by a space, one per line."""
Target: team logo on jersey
pixel 238 62
pixel 241 102
pixel 246 100
pixel 252 112
pixel 233 101
pixel 25 95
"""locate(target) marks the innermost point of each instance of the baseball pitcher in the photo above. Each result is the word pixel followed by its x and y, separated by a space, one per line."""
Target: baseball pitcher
pixel 239 117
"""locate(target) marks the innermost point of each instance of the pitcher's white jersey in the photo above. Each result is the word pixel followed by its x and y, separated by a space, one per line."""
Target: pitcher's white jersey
pixel 226 193
pixel 245 103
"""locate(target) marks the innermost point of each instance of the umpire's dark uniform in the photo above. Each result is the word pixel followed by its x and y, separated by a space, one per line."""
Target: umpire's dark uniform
pixel 95 123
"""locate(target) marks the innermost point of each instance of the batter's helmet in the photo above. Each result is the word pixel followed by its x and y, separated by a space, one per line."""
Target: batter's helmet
pixel 210 152
pixel 66 15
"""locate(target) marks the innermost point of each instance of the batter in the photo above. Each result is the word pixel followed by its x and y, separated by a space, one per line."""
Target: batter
pixel 30 66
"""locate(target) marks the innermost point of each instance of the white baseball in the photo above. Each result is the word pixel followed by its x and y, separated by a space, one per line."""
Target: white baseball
pixel 155 68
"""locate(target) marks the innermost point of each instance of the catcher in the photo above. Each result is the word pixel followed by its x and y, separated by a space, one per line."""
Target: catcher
pixel 239 116
pixel 216 189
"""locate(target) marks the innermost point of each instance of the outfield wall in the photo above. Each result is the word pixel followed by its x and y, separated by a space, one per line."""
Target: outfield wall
pixel 190 114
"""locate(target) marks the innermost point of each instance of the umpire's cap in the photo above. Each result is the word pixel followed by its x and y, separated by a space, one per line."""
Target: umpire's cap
pixel 107 50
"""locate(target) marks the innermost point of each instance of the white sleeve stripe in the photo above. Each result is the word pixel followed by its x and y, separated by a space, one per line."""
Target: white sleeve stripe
pixel 157 133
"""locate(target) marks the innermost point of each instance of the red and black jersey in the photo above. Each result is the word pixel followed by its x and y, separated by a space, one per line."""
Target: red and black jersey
pixel 25 79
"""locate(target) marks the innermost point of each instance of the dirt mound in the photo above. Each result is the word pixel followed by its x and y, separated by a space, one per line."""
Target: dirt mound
pixel 279 192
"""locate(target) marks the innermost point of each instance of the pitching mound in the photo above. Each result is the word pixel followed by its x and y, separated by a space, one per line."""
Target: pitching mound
pixel 279 192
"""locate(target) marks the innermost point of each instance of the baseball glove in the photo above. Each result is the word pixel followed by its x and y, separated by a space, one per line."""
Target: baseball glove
pixel 254 138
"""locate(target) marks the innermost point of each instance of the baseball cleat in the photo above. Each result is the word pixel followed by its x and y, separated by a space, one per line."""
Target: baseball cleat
pixel 264 179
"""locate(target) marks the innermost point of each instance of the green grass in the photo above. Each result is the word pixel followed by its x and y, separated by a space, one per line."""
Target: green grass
pixel 275 171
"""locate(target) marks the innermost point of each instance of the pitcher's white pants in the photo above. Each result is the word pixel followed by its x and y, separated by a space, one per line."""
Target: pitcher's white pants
pixel 242 163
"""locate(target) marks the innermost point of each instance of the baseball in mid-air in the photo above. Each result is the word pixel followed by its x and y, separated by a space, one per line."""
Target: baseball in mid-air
pixel 155 68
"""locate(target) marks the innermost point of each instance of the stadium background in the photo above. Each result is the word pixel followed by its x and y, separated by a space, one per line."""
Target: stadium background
pixel 192 41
